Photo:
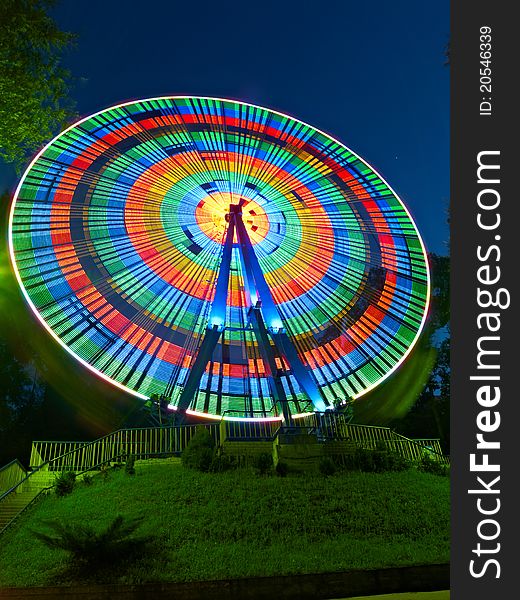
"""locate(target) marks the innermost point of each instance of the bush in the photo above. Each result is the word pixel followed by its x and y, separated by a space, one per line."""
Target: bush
pixel 199 452
pixel 364 460
pixel 64 483
pixel 263 463
pixel 398 462
pixel 87 480
pixel 327 466
pixel 85 545
pixel 349 462
pixel 222 463
pixel 384 460
pixel 282 469
pixel 375 461
pixel 130 465
pixel 427 464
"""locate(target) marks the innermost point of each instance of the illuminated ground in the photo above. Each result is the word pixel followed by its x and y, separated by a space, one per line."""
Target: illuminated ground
pixel 237 524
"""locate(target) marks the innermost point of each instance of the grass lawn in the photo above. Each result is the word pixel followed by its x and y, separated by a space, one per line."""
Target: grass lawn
pixel 238 524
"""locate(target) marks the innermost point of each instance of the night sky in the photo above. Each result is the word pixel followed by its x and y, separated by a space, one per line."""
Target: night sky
pixel 371 74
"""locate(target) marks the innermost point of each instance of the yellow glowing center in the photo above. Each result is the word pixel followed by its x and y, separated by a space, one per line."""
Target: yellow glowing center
pixel 211 216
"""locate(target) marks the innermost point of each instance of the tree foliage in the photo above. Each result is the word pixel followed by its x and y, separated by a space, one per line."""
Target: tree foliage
pixel 21 385
pixel 439 315
pixel 430 415
pixel 14 383
pixel 34 103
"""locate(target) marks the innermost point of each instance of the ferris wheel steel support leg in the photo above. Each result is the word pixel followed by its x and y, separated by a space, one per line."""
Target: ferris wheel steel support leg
pixel 307 383
pixel 218 308
pixel 270 312
pixel 217 318
pixel 273 318
pixel 270 363
pixel 209 343
pixel 262 309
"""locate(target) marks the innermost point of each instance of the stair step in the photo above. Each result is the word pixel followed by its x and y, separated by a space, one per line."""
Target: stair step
pixel 246 448
pixel 14 504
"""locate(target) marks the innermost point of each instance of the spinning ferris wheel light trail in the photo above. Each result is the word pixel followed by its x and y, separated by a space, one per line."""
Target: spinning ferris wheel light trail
pixel 231 258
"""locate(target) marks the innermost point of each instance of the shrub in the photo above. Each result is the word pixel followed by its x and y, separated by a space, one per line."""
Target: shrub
pixel 86 545
pixel 222 463
pixel 384 460
pixel 199 452
pixel 380 461
pixel 375 461
pixel 364 459
pixel 130 465
pixel 64 483
pixel 87 480
pixel 327 466
pixel 263 463
pixel 104 471
pixel 427 464
pixel 398 462
pixel 282 469
pixel 349 462
pixel 202 437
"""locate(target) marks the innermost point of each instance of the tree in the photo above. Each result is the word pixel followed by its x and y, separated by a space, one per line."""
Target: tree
pixel 15 385
pixel 34 103
pixel 439 316
pixel 415 400
pixel 430 414
pixel 21 394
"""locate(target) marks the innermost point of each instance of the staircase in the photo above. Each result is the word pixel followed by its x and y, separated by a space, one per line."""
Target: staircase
pixel 14 504
pixel 244 452
pixel 17 498
pixel 18 488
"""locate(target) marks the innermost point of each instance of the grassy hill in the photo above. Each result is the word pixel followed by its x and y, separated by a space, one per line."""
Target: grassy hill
pixel 237 524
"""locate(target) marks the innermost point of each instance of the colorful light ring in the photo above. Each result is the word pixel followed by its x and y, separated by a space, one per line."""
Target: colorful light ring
pixel 116 236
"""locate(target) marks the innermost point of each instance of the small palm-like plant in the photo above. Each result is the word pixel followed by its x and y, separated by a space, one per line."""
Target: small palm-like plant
pixel 86 545
pixel 64 483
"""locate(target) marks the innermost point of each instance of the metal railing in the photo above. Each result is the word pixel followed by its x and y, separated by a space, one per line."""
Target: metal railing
pixel 331 426
pixel 248 430
pixel 37 490
pixel 86 456
pixel 141 443
pixel 328 425
pixel 161 441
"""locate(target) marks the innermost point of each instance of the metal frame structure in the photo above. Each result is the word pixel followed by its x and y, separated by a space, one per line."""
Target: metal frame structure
pixel 264 319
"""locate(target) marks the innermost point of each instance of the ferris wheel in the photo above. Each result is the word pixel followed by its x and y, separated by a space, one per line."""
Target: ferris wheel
pixel 230 258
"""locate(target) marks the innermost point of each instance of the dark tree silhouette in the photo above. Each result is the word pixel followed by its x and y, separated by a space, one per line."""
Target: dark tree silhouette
pixel 430 415
pixel 34 87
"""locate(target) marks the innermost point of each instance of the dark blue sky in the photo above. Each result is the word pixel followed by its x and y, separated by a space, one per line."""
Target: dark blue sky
pixel 370 74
